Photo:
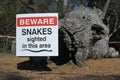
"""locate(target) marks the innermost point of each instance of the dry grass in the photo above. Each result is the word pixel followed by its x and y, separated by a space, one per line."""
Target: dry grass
pixel 103 69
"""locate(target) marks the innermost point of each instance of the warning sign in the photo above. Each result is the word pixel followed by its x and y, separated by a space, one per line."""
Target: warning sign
pixel 37 34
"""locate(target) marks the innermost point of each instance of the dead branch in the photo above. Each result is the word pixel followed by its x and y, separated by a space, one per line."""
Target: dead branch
pixel 106 8
pixel 115 30
pixel 116 24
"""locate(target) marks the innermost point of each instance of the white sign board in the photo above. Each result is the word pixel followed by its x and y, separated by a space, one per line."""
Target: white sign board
pixel 37 34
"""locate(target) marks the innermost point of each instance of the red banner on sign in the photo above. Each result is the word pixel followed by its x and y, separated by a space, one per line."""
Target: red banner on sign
pixel 37 21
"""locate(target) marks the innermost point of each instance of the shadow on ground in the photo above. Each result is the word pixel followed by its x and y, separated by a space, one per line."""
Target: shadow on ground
pixel 17 76
pixel 12 76
pixel 97 77
pixel 28 65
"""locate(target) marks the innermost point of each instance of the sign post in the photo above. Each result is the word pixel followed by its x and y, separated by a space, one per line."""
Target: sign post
pixel 37 34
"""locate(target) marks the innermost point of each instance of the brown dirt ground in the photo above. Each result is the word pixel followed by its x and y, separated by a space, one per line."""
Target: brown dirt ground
pixel 103 69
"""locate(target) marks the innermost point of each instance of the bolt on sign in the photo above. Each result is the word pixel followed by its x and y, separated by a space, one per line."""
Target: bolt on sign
pixel 37 34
